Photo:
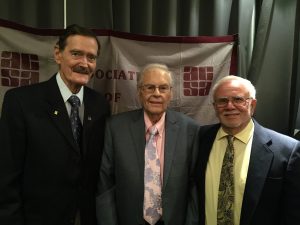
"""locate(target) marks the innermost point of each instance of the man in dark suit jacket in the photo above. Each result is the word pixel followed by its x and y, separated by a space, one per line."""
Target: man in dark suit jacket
pixel 121 194
pixel 266 163
pixel 46 177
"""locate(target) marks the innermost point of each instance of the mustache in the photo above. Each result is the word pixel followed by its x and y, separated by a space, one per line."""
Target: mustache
pixel 230 113
pixel 80 69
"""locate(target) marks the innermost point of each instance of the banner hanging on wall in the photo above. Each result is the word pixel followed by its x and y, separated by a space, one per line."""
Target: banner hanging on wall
pixel 26 57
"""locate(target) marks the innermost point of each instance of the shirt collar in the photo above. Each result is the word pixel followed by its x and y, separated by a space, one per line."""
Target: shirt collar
pixel 159 125
pixel 244 136
pixel 65 91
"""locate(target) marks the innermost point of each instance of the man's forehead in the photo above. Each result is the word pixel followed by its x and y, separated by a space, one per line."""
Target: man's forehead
pixel 232 85
pixel 155 73
pixel 78 44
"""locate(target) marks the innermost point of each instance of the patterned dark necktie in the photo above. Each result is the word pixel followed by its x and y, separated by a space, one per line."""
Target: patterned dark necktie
pixel 226 187
pixel 152 181
pixel 74 118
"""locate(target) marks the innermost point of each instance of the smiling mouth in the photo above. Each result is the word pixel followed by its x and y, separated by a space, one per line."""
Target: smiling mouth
pixel 155 103
pixel 231 116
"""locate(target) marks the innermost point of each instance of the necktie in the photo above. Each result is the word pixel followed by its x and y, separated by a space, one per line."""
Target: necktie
pixel 152 181
pixel 74 118
pixel 226 187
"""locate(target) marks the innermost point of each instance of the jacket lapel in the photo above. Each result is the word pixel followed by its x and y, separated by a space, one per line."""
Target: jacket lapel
pixel 137 132
pixel 89 116
pixel 171 137
pixel 260 161
pixel 207 136
pixel 58 112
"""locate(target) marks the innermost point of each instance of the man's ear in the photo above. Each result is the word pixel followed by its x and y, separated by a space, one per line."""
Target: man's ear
pixel 139 94
pixel 253 106
pixel 57 54
pixel 171 94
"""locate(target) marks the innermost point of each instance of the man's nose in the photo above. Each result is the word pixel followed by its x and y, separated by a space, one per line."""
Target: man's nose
pixel 230 104
pixel 84 60
pixel 156 91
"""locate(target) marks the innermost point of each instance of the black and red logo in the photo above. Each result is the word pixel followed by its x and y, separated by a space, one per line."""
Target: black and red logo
pixel 197 81
pixel 19 69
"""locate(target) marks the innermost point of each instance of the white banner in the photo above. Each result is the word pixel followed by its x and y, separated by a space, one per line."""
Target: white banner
pixel 26 56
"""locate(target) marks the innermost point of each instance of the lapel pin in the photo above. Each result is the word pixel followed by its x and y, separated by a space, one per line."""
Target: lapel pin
pixel 56 112
pixel 89 118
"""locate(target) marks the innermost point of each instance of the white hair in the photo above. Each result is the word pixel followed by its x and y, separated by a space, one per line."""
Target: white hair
pixel 248 85
pixel 151 66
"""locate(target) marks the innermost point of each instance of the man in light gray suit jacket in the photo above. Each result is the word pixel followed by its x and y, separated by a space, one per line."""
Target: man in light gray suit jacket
pixel 120 199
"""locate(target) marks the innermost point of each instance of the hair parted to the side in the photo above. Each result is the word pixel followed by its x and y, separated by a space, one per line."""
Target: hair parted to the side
pixel 152 66
pixel 248 85
pixel 72 30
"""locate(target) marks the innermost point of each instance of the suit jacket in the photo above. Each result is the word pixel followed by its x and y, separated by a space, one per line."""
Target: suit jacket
pixel 121 185
pixel 43 177
pixel 272 190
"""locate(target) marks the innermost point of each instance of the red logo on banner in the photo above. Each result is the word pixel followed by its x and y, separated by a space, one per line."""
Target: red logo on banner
pixel 19 69
pixel 197 80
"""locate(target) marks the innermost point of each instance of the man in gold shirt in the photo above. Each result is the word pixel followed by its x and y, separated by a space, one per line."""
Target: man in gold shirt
pixel 248 174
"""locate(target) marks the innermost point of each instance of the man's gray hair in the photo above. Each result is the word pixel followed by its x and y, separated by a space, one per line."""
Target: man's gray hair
pixel 249 86
pixel 151 66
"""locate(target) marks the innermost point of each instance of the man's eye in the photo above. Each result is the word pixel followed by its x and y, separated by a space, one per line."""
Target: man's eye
pixel 150 87
pixel 222 100
pixel 75 54
pixel 164 88
pixel 238 99
pixel 92 57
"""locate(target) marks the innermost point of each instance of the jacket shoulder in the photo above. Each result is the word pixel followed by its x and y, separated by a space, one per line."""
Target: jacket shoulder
pixel 273 137
pixel 181 117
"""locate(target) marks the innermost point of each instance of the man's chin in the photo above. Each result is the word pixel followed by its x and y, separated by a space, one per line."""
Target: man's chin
pixel 156 112
pixel 83 80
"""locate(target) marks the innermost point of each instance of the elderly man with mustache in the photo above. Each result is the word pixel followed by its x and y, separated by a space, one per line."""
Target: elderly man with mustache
pixel 51 137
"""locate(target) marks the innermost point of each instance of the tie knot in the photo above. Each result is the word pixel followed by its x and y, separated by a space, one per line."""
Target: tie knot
pixel 153 131
pixel 74 101
pixel 230 138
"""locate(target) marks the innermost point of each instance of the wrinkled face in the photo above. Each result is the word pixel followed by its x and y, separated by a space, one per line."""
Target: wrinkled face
pixel 236 113
pixel 155 93
pixel 77 61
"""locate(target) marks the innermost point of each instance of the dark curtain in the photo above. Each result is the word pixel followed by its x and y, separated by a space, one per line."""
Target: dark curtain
pixel 268 31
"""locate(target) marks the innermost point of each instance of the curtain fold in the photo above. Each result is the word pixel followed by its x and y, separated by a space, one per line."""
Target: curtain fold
pixel 271 70
pixel 268 37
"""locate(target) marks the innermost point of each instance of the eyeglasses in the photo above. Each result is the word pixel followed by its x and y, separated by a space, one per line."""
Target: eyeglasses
pixel 235 100
pixel 150 88
pixel 79 55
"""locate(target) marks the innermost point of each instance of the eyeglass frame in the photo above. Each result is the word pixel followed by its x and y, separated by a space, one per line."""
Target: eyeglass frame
pixel 151 88
pixel 233 100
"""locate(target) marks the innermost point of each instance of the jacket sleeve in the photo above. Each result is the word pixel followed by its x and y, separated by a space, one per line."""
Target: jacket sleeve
pixel 12 154
pixel 193 206
pixel 105 198
pixel 292 188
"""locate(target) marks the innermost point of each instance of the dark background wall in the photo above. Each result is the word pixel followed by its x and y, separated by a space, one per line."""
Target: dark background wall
pixel 268 37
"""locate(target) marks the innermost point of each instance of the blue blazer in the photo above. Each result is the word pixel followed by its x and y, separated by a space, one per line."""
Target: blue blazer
pixel 272 191
pixel 121 186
